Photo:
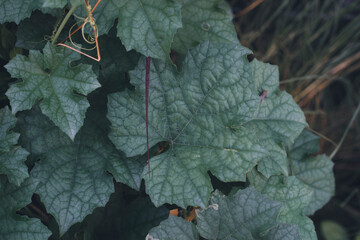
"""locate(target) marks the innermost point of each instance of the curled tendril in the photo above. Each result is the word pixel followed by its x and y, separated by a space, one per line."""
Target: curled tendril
pixel 90 39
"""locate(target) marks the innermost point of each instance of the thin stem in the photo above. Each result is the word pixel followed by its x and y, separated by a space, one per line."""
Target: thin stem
pixel 290 80
pixel 290 161
pixel 147 83
pixel 62 25
pixel 322 136
pixel 249 8
pixel 346 131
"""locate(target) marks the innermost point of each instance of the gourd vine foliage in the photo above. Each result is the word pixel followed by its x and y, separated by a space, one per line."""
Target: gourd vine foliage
pixel 75 126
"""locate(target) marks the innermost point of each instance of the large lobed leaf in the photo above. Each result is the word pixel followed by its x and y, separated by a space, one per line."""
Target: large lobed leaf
pixel 211 116
pixel 12 157
pixel 48 77
pixel 13 226
pixel 73 174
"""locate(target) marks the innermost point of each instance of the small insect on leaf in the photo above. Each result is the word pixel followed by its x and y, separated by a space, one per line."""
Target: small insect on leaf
pixel 90 39
pixel 262 95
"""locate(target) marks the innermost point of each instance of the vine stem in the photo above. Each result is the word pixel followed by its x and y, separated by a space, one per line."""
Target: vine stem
pixel 62 25
pixel 147 84
pixel 292 170
pixel 346 132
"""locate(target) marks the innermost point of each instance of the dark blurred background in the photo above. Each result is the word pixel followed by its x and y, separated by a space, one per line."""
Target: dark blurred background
pixel 316 45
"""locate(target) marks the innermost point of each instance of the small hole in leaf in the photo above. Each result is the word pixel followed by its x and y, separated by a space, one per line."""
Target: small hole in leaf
pixel 250 57
pixel 78 93
pixel 162 147
pixel 205 26
pixel 47 70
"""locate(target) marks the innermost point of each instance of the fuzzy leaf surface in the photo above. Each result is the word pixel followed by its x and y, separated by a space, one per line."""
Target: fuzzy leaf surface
pixel 147 26
pixel 13 226
pixel 284 232
pixel 316 172
pixel 12 158
pixel 294 195
pixel 173 228
pixel 73 174
pixel 211 116
pixel 54 3
pixel 246 215
pixel 204 20
pixel 48 77
pixel 17 10
pixel 60 3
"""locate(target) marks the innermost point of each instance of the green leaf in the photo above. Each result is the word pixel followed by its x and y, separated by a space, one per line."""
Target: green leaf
pixel 13 198
pixel 211 116
pixel 48 77
pixel 54 3
pixel 174 228
pixel 73 174
pixel 12 157
pixel 246 215
pixel 283 232
pixel 266 77
pixel 17 10
pixel 148 26
pixel 7 138
pixel 307 143
pixel 316 172
pixel 60 3
pixel 204 20
pixel 294 196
